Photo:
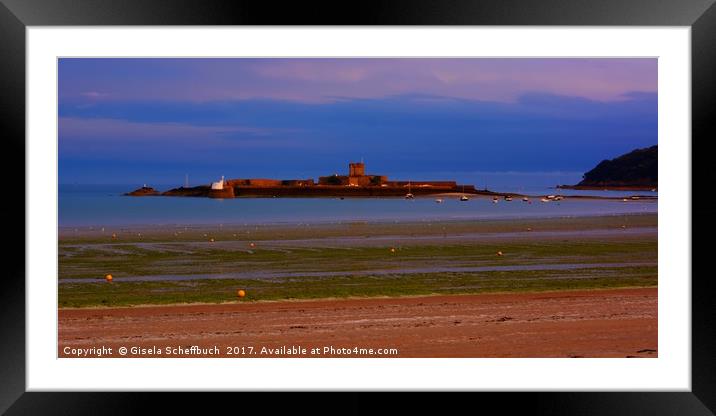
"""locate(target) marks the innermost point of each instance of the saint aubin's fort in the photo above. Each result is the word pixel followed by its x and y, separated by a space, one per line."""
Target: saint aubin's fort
pixel 356 183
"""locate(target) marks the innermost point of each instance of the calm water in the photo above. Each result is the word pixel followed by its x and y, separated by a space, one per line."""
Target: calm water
pixel 98 205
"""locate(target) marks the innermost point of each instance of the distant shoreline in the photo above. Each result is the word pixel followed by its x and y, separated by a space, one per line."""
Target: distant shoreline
pixel 610 188
pixel 374 192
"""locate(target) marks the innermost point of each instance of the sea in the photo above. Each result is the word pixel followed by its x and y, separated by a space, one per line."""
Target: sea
pixel 104 205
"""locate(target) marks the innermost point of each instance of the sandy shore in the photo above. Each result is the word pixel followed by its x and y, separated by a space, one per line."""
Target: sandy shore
pixel 593 323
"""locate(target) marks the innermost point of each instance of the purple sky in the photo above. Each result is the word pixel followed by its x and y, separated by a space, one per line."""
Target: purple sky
pixel 133 119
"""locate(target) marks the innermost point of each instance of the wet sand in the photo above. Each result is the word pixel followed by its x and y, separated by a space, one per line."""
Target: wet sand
pixel 592 323
pixel 264 275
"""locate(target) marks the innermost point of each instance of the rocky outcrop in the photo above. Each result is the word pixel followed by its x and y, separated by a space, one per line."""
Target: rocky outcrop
pixel 144 191
pixel 193 191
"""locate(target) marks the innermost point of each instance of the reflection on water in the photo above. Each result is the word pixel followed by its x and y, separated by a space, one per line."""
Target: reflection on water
pixel 104 205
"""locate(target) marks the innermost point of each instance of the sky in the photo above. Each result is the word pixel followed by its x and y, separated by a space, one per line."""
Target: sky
pixel 154 121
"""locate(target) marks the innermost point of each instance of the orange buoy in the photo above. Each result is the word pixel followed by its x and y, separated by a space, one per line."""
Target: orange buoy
pixel 252 245
pixel 241 293
pixel 211 240
pixel 108 277
pixel 392 249
pixel 114 235
pixel 499 253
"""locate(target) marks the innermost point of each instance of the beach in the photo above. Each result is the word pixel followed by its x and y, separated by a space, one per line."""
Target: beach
pixel 574 324
pixel 519 287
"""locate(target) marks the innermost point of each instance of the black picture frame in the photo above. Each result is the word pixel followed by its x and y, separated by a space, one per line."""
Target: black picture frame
pixel 16 15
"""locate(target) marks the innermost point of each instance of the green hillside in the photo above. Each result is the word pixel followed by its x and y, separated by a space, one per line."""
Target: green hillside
pixel 636 168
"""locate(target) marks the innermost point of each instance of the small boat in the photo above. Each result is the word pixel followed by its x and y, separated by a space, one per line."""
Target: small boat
pixel 464 197
pixel 439 200
pixel 558 198
pixel 409 195
pixel 508 198
pixel 525 199
pixel 495 200
pixel 545 199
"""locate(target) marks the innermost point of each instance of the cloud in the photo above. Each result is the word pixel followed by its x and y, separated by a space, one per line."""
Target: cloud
pixel 116 138
pixel 318 80
pixel 108 129
pixel 93 94
pixel 538 132
pixel 306 70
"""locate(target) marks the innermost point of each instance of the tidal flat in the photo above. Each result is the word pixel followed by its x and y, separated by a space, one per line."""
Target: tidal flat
pixel 209 263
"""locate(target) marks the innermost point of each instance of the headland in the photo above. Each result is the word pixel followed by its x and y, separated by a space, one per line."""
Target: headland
pixel 633 171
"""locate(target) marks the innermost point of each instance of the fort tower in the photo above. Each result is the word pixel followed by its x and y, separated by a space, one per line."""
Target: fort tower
pixel 356 169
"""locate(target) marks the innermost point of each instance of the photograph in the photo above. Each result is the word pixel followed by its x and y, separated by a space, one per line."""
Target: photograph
pixel 238 198
pixel 357 207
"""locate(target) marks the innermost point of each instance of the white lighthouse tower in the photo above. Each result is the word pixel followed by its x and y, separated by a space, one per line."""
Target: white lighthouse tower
pixel 218 186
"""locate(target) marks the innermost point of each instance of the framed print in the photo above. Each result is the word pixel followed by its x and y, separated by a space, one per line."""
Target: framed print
pixel 431 198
